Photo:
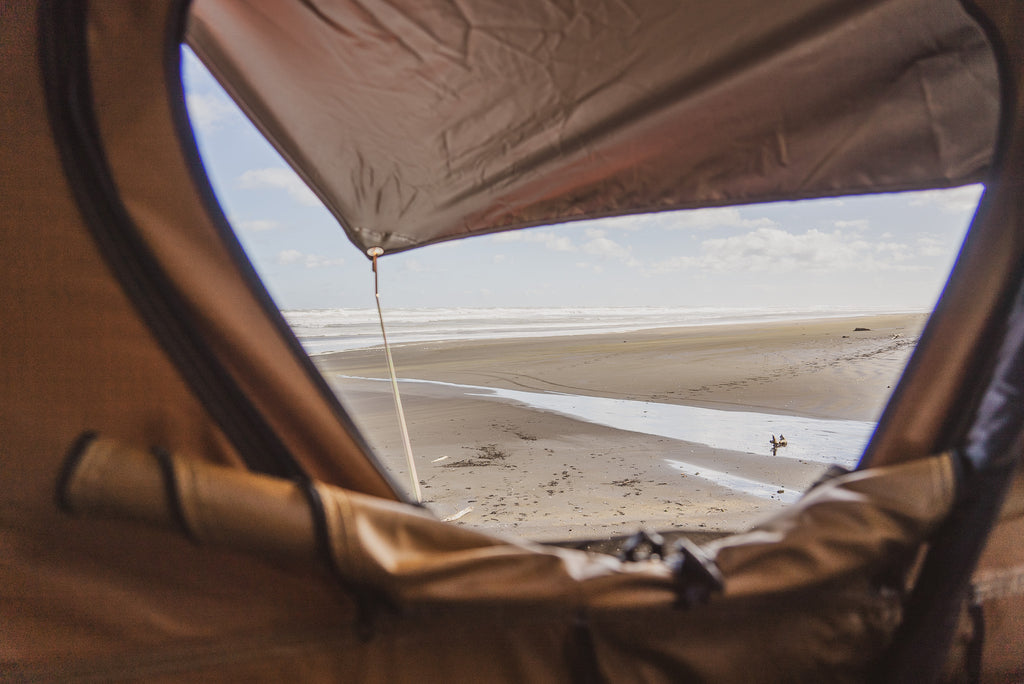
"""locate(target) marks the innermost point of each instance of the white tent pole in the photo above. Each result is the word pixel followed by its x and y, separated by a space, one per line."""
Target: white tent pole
pixel 376 252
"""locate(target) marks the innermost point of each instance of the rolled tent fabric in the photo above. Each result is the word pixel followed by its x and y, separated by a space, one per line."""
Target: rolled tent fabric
pixel 422 122
pixel 843 548
pixel 856 524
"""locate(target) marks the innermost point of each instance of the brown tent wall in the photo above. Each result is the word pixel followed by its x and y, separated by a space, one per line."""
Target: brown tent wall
pixel 933 402
pixel 103 599
pixel 196 264
pixel 78 355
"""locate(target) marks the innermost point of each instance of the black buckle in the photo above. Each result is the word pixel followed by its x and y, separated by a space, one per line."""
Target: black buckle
pixel 697 576
pixel 642 546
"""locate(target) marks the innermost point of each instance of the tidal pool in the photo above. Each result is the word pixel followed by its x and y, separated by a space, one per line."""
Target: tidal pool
pixel 818 440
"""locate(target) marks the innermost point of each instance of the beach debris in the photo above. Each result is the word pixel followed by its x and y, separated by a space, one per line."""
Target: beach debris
pixel 633 484
pixel 486 455
pixel 439 459
pixel 456 516
pixel 862 330
pixel 491 452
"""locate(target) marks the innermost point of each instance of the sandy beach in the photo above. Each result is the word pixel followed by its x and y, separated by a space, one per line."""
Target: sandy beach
pixel 512 468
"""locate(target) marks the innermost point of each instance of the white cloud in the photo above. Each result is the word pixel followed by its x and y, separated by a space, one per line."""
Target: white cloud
pixel 257 225
pixel 289 256
pixel 210 111
pixel 687 219
pixel 604 247
pixel 549 239
pixel 932 246
pixel 960 200
pixel 294 256
pixel 855 224
pixel 280 178
pixel 774 249
pixel 627 222
pixel 598 244
pixel 441 246
pixel 319 261
pixel 716 217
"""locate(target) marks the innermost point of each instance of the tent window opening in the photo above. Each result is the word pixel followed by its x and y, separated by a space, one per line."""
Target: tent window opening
pixel 684 369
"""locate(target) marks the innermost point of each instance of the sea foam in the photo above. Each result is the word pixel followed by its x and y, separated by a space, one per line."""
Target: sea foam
pixel 323 331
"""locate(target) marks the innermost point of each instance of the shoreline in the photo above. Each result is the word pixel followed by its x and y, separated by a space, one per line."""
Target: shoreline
pixel 329 331
pixel 542 475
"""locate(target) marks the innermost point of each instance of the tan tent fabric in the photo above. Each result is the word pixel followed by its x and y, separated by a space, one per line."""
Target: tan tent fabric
pixel 830 547
pixel 997 593
pixel 423 122
pixel 954 353
pixel 75 355
pixel 155 182
pixel 852 525
pixel 103 599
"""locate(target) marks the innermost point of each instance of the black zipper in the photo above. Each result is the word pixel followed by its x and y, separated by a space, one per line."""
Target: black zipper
pixel 63 53
pixel 245 268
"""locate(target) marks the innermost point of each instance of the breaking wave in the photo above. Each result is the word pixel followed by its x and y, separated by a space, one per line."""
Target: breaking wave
pixel 323 331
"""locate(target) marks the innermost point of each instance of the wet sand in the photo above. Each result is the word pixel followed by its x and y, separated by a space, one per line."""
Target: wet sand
pixel 541 475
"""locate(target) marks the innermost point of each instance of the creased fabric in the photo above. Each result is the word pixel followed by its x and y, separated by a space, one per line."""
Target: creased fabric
pixel 428 122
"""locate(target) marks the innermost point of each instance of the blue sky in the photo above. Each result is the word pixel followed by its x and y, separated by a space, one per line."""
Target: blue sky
pixel 884 251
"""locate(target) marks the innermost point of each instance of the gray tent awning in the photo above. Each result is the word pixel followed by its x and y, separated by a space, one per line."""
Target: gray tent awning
pixel 428 121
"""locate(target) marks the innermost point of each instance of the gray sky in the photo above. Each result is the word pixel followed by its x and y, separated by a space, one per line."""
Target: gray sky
pixel 884 251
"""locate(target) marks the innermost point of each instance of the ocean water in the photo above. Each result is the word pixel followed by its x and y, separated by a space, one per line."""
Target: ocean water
pixel 322 331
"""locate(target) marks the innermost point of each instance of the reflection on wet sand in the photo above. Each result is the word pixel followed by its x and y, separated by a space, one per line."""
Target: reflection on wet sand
pixel 812 439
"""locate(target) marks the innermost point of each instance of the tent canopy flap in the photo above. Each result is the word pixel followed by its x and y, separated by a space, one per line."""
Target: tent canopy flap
pixel 425 122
